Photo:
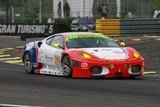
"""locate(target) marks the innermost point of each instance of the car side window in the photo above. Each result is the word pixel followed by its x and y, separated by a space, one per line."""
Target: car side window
pixel 74 22
pixel 48 41
pixel 58 39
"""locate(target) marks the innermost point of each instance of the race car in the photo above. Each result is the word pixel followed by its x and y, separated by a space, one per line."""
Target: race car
pixel 82 55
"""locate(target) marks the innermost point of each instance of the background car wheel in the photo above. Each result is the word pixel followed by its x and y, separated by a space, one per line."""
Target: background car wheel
pixel 28 65
pixel 66 66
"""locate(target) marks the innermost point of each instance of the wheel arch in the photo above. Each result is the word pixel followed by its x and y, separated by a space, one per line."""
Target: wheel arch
pixel 33 55
pixel 24 55
pixel 65 54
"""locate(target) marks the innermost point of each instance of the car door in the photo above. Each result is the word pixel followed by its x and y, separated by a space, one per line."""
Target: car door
pixel 52 56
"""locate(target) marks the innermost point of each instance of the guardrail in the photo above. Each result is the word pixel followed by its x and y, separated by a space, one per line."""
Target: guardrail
pixel 127 27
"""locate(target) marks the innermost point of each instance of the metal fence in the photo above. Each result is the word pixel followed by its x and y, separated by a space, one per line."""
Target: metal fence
pixel 28 10
pixel 128 8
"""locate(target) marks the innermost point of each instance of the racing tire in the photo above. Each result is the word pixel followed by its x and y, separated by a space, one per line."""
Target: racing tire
pixel 28 65
pixel 66 66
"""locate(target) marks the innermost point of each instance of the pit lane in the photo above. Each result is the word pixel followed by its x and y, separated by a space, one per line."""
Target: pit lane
pixel 19 88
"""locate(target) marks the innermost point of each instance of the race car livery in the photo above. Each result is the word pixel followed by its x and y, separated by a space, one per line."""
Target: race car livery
pixel 82 55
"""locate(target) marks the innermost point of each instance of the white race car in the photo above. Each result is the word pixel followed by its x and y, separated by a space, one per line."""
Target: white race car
pixel 82 55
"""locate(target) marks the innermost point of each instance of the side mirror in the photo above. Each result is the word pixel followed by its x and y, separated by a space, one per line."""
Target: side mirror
pixel 55 45
pixel 122 44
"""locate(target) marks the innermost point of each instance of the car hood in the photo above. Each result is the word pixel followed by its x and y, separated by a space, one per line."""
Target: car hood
pixel 107 53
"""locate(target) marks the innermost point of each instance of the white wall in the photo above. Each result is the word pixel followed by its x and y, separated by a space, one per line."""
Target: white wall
pixel 76 8
pixel 55 7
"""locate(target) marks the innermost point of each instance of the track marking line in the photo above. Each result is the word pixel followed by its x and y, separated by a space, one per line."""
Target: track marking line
pixel 19 47
pixel 157 39
pixel 7 49
pixel 15 61
pixel 136 39
pixel 1 53
pixel 149 72
pixel 13 105
pixel 2 56
pixel 6 59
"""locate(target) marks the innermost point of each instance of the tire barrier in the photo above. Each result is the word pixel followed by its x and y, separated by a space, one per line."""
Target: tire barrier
pixel 127 27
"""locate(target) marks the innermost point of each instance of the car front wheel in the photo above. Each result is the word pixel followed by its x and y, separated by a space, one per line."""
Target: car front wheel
pixel 66 66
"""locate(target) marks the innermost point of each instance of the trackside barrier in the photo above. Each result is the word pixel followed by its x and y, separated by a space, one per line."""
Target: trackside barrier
pixel 127 27
pixel 108 26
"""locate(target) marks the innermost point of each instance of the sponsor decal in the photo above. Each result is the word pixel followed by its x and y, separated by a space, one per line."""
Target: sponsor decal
pixel 47 57
pixel 57 59
pixel 84 65
pixel 118 52
pixel 85 36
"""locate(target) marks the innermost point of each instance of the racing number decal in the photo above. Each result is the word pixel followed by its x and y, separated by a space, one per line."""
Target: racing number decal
pixel 57 59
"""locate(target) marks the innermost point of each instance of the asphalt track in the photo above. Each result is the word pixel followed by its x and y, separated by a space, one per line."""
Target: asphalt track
pixel 19 88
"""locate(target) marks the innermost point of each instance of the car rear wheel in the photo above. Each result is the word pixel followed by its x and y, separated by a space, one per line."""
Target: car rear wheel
pixel 28 65
pixel 66 66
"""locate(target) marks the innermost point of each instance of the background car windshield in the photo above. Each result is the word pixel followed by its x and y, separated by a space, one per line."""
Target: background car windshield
pixel 89 21
pixel 90 43
pixel 82 22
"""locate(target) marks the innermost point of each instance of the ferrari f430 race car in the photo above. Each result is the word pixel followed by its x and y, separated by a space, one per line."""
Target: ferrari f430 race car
pixel 81 55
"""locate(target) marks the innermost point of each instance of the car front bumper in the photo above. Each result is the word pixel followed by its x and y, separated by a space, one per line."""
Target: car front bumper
pixel 108 69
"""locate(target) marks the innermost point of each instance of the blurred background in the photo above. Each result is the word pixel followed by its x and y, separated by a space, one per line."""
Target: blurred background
pixel 38 11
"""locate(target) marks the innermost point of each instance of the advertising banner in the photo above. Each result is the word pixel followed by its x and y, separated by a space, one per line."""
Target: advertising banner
pixel 26 29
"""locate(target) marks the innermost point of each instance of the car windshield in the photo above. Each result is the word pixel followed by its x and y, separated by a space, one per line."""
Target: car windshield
pixel 89 21
pixel 90 42
pixel 86 21
pixel 82 22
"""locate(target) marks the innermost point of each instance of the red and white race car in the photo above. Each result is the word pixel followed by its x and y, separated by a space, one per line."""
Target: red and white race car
pixel 82 55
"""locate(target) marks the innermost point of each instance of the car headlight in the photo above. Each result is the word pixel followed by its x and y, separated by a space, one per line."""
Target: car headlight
pixel 84 27
pixel 84 55
pixel 136 54
pixel 87 56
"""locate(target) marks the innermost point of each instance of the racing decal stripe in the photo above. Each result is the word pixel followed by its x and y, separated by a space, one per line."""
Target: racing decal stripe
pixel 36 47
pixel 39 65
